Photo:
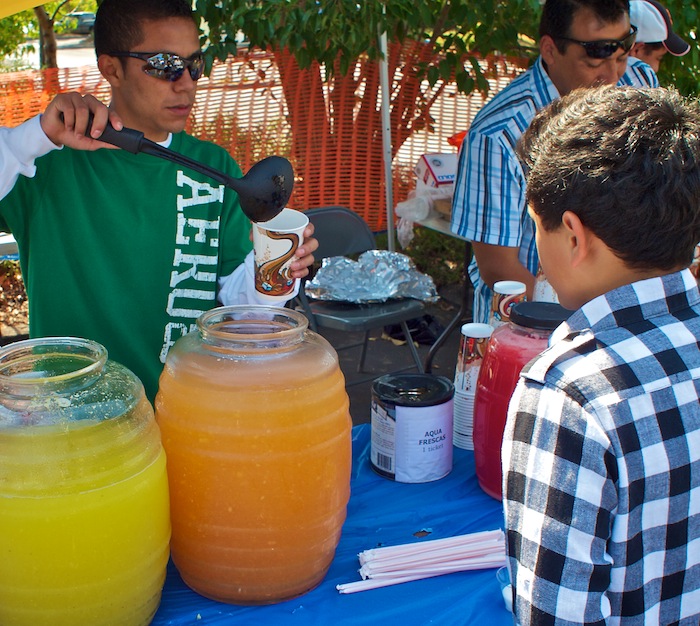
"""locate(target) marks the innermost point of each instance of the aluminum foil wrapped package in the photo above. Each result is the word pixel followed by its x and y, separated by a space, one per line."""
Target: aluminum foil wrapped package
pixel 376 276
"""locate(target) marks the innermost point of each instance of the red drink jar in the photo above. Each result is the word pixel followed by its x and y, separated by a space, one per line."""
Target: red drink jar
pixel 509 349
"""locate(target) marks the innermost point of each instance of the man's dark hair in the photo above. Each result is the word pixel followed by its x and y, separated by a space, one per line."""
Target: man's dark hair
pixel 558 15
pixel 118 23
pixel 627 162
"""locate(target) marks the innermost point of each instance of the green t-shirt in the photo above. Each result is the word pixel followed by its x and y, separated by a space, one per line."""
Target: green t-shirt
pixel 125 249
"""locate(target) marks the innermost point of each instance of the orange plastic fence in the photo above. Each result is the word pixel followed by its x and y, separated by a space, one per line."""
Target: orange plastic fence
pixel 262 103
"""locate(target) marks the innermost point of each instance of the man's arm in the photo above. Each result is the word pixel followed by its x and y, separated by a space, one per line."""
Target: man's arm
pixel 63 123
pixel 489 210
pixel 502 263
pixel 19 147
pixel 558 502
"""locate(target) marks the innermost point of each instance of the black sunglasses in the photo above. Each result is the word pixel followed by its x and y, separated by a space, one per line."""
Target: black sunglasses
pixel 166 65
pixel 603 48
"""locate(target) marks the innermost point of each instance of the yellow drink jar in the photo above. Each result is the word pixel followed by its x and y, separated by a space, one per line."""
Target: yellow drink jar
pixel 255 421
pixel 84 513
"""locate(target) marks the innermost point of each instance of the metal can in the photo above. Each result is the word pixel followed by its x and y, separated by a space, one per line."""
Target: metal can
pixel 412 427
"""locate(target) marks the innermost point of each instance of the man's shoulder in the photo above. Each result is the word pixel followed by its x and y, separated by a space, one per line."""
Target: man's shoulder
pixel 53 163
pixel 516 103
pixel 638 74
pixel 205 151
pixel 616 353
pixel 185 140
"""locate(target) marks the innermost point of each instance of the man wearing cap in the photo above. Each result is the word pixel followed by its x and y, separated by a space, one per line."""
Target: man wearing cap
pixel 582 43
pixel 655 36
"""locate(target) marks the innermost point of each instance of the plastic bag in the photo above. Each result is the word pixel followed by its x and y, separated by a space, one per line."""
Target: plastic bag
pixel 417 207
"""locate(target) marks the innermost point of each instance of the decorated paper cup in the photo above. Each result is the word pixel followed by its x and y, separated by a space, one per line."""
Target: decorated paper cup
pixel 274 248
pixel 506 293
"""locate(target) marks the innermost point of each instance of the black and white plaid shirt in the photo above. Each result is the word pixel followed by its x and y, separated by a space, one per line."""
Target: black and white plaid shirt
pixel 601 460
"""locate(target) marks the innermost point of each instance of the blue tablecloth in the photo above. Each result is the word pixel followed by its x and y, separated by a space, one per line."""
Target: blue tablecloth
pixel 381 512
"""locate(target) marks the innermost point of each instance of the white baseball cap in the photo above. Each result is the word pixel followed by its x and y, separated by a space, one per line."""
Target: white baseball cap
pixel 654 25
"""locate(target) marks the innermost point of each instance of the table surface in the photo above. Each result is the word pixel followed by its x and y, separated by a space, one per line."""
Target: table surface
pixel 381 512
pixel 436 221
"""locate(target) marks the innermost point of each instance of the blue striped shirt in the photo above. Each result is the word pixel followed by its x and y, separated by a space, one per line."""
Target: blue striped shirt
pixel 489 197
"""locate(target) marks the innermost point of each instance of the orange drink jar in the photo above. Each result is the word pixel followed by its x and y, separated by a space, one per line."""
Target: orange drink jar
pixel 255 421
pixel 84 518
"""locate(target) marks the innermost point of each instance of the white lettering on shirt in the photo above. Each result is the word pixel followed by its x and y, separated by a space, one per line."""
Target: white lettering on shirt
pixel 193 277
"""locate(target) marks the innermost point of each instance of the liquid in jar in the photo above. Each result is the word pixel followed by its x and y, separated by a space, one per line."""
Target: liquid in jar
pixel 510 348
pixel 84 515
pixel 256 425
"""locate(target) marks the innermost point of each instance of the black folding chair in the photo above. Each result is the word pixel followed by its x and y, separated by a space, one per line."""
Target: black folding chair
pixel 342 232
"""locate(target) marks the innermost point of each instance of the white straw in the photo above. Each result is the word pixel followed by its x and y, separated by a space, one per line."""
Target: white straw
pixel 363 585
pixel 433 544
pixel 434 556
pixel 392 565
pixel 496 560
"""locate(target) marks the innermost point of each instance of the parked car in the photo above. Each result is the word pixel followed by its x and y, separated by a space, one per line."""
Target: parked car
pixel 84 22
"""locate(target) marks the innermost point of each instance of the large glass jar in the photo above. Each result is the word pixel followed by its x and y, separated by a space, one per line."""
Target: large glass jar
pixel 84 519
pixel 510 347
pixel 256 425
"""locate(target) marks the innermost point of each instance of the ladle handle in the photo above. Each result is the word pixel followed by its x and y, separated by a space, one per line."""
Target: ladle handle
pixel 133 141
pixel 149 147
pixel 127 139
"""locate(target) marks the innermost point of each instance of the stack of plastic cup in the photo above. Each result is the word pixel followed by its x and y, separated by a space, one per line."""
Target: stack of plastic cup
pixel 471 352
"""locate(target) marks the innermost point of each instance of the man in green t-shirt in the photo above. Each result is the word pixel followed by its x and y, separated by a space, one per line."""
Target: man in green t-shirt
pixel 127 249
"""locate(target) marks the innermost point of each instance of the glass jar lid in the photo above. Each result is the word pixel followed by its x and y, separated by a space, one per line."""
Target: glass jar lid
pixel 538 315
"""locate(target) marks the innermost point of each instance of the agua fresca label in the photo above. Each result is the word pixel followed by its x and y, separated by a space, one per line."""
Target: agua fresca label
pixel 383 450
pixel 423 442
pixel 412 444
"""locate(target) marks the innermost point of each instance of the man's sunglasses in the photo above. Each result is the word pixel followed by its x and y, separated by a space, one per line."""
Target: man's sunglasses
pixel 604 48
pixel 167 66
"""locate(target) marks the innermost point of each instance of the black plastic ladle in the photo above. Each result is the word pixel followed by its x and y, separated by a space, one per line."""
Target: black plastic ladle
pixel 263 192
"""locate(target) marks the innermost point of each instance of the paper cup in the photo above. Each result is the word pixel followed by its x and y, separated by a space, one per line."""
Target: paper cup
pixel 506 293
pixel 274 248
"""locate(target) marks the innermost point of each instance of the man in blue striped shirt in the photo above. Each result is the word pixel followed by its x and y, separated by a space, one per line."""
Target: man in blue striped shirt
pixel 582 43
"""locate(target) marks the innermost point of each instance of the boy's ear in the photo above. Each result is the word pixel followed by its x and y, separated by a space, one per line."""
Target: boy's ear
pixel 111 68
pixel 581 240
